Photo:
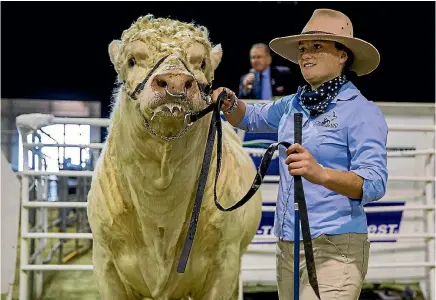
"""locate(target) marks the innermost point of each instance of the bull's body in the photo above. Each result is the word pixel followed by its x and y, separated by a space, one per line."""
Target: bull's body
pixel 140 204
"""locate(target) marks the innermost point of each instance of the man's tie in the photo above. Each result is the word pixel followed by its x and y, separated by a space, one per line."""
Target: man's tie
pixel 259 85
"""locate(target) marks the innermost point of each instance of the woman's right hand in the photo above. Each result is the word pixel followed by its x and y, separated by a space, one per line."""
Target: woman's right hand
pixel 227 101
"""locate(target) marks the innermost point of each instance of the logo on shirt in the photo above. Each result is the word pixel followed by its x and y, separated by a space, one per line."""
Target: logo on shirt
pixel 329 121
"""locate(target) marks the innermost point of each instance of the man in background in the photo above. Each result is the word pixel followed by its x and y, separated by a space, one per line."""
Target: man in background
pixel 264 81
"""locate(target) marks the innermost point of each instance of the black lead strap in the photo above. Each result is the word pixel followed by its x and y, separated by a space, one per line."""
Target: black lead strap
pixel 301 210
pixel 199 195
pixel 215 126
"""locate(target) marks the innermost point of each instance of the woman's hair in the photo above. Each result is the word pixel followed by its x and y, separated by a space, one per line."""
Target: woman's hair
pixel 347 71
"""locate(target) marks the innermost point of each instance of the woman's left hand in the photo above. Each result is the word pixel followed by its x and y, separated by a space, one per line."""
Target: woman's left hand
pixel 301 162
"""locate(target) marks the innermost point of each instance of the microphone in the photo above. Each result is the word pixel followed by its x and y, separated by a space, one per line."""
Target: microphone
pixel 250 86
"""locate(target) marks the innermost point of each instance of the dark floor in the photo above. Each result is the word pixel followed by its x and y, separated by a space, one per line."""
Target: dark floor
pixel 261 296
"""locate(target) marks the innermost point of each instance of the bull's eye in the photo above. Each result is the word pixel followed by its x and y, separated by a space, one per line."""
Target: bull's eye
pixel 203 64
pixel 131 62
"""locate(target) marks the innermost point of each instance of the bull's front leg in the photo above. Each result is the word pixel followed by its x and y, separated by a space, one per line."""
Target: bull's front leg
pixel 108 281
pixel 223 282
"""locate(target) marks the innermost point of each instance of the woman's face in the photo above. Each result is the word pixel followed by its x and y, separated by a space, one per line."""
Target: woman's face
pixel 320 61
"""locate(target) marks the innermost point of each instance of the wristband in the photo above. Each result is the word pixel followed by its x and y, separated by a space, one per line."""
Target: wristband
pixel 233 107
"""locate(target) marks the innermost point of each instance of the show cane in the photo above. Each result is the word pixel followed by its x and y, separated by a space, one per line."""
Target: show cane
pixel 300 210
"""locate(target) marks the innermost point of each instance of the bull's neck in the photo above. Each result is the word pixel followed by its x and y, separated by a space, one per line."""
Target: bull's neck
pixel 155 170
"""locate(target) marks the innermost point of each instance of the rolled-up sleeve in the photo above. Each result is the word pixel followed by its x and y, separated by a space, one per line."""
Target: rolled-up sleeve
pixel 367 138
pixel 264 117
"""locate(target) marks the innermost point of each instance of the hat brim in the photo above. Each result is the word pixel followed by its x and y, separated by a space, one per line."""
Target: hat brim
pixel 366 56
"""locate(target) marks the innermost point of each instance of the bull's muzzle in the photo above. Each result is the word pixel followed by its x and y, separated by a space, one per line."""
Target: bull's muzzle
pixel 174 84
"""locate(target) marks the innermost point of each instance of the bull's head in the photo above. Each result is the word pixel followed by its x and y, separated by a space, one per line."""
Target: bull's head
pixel 165 67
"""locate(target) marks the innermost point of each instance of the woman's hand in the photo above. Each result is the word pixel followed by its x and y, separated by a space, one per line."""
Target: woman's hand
pixel 227 101
pixel 301 162
pixel 233 109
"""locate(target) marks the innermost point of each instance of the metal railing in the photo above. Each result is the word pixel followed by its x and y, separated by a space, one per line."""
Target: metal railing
pixel 26 235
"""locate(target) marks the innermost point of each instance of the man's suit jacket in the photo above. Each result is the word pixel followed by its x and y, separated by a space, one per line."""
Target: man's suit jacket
pixel 282 84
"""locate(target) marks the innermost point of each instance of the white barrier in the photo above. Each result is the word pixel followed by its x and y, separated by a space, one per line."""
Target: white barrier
pixel 250 269
pixel 10 208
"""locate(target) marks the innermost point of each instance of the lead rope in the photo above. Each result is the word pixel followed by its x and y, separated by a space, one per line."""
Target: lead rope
pixel 215 126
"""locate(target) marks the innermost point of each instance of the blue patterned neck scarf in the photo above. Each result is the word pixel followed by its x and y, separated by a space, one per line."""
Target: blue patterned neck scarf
pixel 316 101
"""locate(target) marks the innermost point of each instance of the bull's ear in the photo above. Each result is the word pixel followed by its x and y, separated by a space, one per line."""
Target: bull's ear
pixel 114 51
pixel 216 55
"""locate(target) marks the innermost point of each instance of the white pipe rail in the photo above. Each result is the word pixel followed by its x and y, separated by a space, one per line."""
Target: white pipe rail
pixel 50 267
pixel 399 208
pixel 62 173
pixel 24 243
pixel 57 235
pixel 410 153
pixel 40 145
pixel 98 122
pixel 56 204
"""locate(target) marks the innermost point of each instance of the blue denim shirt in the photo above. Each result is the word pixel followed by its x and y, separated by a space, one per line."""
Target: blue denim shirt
pixel 350 136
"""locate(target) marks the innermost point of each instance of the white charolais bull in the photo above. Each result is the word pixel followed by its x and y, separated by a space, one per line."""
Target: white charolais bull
pixel 144 186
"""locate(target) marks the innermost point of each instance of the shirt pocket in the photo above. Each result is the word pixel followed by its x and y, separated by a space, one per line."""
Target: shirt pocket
pixel 331 149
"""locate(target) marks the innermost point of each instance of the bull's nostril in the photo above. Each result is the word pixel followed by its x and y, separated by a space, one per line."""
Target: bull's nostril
pixel 161 83
pixel 188 84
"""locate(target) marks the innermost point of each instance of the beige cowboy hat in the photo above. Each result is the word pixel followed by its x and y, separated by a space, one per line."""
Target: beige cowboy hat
pixel 330 25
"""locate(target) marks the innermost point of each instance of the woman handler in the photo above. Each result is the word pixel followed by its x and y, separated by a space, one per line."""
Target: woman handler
pixel 342 158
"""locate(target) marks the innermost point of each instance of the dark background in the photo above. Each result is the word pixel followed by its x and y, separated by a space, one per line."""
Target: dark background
pixel 59 50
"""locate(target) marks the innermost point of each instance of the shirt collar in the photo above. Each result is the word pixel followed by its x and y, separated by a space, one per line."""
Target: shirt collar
pixel 347 92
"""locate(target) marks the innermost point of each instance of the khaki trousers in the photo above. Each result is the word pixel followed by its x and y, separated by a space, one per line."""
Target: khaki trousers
pixel 341 266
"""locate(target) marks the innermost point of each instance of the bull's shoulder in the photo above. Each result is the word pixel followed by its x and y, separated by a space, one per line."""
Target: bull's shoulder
pixel 108 196
pixel 112 221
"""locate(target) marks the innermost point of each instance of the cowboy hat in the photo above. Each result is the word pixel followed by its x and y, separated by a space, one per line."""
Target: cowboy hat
pixel 330 25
